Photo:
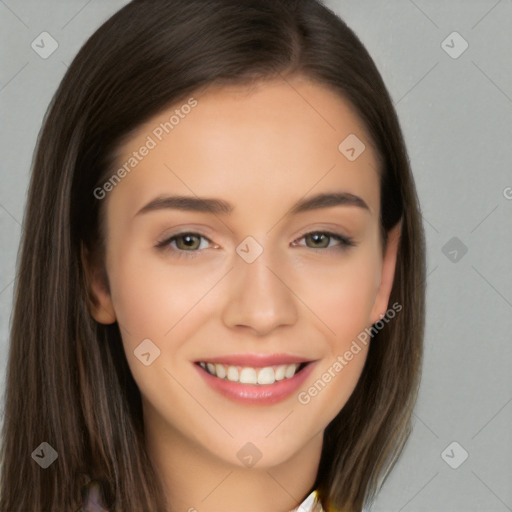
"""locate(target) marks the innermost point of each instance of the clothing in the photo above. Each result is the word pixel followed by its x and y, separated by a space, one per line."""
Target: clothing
pixel 310 504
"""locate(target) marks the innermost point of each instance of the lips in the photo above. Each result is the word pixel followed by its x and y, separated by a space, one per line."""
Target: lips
pixel 255 360
pixel 255 378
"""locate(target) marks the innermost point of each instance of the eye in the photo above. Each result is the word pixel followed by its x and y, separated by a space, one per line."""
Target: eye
pixel 323 239
pixel 192 243
pixel 184 242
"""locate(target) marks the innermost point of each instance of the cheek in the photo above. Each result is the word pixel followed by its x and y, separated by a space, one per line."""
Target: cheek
pixel 160 303
pixel 343 297
pixel 333 384
pixel 342 294
pixel 150 299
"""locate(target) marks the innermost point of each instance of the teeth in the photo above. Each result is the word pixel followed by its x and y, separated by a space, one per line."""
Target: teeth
pixel 247 375
pixel 232 374
pixel 290 371
pixel 266 376
pixel 220 371
pixel 280 372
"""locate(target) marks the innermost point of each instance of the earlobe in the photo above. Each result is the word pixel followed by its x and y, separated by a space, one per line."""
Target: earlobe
pixel 380 305
pixel 98 295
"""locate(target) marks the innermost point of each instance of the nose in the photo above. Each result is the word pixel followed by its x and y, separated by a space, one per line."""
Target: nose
pixel 260 298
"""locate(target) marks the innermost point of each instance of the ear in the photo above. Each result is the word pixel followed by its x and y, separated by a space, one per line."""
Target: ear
pixel 98 293
pixel 380 305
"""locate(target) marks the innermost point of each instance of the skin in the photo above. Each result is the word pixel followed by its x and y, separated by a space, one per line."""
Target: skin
pixel 262 149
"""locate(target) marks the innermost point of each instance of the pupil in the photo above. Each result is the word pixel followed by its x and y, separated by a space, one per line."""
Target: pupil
pixel 317 238
pixel 188 240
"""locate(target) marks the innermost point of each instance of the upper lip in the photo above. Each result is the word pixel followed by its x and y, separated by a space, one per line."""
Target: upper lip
pixel 255 360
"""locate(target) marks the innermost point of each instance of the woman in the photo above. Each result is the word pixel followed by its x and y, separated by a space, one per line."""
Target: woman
pixel 220 301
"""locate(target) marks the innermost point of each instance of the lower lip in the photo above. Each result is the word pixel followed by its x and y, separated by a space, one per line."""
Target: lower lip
pixel 255 393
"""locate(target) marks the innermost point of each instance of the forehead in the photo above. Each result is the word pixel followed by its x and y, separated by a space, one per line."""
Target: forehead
pixel 276 138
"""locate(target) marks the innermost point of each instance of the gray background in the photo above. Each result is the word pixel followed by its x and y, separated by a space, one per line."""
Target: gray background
pixel 456 114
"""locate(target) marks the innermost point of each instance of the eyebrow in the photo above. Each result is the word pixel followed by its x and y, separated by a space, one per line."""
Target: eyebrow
pixel 219 206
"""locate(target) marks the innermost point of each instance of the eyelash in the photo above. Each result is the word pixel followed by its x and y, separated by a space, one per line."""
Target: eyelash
pixel 164 245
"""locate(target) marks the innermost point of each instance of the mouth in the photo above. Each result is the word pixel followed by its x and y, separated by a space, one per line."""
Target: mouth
pixel 261 376
pixel 255 379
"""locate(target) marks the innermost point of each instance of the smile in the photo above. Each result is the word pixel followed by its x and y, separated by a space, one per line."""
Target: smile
pixel 252 375
pixel 255 379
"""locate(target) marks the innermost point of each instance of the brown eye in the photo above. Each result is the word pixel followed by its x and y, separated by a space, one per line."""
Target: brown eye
pixel 319 240
pixel 187 241
pixel 322 240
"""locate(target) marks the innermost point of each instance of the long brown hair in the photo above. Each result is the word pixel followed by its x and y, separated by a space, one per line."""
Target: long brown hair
pixel 68 381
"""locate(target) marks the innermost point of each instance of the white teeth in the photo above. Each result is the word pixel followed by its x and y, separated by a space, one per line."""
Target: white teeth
pixel 290 370
pixel 232 374
pixel 220 371
pixel 280 371
pixel 247 375
pixel 266 376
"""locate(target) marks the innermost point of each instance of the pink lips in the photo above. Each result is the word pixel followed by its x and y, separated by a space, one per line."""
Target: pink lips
pixel 255 394
pixel 256 360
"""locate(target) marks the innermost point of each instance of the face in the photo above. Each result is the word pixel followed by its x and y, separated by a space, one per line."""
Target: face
pixel 237 313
